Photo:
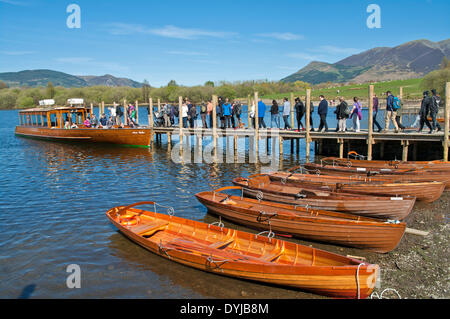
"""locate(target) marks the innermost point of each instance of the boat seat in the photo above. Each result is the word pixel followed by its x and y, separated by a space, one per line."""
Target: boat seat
pixel 222 244
pixel 148 229
pixel 274 254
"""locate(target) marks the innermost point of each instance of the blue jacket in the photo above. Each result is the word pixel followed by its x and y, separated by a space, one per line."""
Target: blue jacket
pixel 226 109
pixel 323 107
pixel 261 109
pixel 390 103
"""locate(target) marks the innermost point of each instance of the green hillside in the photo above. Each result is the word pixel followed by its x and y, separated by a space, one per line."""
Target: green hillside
pixel 36 78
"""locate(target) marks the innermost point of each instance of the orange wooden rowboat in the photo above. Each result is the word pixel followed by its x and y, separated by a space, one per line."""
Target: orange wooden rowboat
pixel 384 207
pixel 395 175
pixel 424 165
pixel 243 255
pixel 423 191
pixel 317 225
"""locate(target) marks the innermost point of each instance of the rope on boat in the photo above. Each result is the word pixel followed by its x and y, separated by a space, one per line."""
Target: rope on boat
pixel 265 217
pixel 170 210
pixel 357 281
pixel 219 224
pixel 376 295
pixel 210 261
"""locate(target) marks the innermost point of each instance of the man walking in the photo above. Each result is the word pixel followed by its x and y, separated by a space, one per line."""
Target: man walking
pixel 390 112
pixel 375 113
pixel 286 113
pixel 434 110
pixel 323 111
pixel 424 110
pixel 261 113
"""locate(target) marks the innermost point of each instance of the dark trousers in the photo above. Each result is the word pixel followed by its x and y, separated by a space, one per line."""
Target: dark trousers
pixel 261 122
pixel 375 122
pixel 227 121
pixel 435 122
pixel 323 122
pixel 203 115
pixel 400 126
pixel 211 122
pixel 299 121
pixel 286 122
pixel 424 120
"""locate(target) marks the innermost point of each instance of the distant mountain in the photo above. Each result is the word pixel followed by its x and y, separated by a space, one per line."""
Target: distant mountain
pixel 410 60
pixel 109 80
pixel 35 78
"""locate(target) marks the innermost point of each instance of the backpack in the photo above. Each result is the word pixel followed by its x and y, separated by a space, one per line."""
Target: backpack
pixel 237 109
pixel 204 109
pixel 119 112
pixel 397 104
pixel 346 108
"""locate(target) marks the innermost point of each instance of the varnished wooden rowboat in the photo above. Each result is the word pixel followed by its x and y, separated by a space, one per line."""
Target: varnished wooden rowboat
pixel 385 207
pixel 243 255
pixel 317 225
pixel 423 191
pixel 422 165
pixel 393 175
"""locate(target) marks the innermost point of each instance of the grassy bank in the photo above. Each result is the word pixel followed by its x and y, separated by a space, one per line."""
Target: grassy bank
pixel 411 90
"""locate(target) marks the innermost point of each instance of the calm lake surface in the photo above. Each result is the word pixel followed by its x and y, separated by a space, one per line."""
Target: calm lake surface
pixel 52 214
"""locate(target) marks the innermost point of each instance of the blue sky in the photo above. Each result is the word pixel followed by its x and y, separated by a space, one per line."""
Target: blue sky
pixel 196 41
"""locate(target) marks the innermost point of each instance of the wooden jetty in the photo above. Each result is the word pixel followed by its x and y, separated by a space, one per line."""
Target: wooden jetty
pixel 327 143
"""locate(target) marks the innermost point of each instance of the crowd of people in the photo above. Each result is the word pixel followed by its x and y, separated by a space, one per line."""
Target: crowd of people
pixel 229 114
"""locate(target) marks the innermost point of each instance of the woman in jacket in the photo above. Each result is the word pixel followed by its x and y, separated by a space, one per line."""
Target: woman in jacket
pixel 300 110
pixel 341 115
pixel 356 114
pixel 275 114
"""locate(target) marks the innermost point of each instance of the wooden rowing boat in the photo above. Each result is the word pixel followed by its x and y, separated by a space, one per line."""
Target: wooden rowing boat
pixel 243 255
pixel 317 225
pixel 422 165
pixel 392 175
pixel 385 207
pixel 423 191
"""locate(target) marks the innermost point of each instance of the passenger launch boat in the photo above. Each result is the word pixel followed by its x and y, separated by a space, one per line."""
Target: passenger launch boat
pixel 306 223
pixel 55 123
pixel 223 251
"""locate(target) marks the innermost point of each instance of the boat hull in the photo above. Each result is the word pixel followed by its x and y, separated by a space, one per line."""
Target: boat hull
pixel 424 191
pixel 385 207
pixel 327 227
pixel 189 243
pixel 125 136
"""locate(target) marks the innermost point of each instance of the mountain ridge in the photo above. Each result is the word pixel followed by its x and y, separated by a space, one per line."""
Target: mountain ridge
pixel 408 60
pixel 41 77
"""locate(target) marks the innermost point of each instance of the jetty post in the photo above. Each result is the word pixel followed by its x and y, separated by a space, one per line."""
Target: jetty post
pixel 125 120
pixel 292 112
pixel 159 105
pixel 370 141
pixel 214 122
pixel 400 96
pixel 249 107
pixel 180 118
pixel 256 123
pixel 150 118
pixel 102 108
pixel 446 119
pixel 137 112
pixel 307 119
pixel 92 109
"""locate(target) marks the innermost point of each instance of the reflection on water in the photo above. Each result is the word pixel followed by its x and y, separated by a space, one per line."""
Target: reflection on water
pixel 53 204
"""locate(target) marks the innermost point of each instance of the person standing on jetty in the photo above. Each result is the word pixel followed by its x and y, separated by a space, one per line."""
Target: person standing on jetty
pixel 323 111
pixel 237 111
pixel 424 110
pixel 434 110
pixel 342 114
pixel 311 112
pixel 390 112
pixel 375 113
pixel 261 113
pixel 210 113
pixel 300 110
pixel 184 114
pixel 399 109
pixel 356 115
pixel 220 113
pixel 286 113
pixel 275 114
pixel 227 113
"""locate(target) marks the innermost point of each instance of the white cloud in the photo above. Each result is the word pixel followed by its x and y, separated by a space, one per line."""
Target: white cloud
pixel 168 31
pixel 187 53
pixel 15 53
pixel 286 36
pixel 14 3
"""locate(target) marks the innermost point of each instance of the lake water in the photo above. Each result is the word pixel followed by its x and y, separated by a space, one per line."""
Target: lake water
pixel 52 214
